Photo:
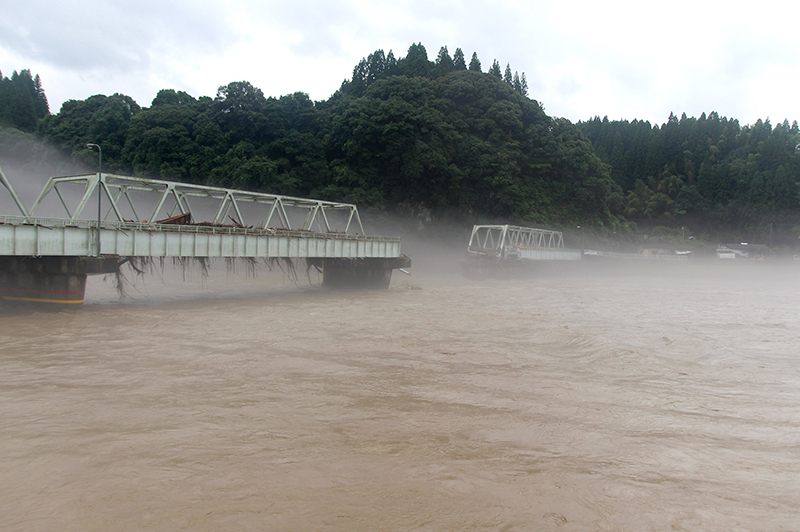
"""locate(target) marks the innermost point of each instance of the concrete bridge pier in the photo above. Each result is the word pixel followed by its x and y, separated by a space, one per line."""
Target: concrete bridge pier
pixel 50 281
pixel 362 273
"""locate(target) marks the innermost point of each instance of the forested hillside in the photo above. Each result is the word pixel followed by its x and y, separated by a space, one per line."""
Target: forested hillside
pixel 435 137
pixel 708 172
pixel 22 101
pixel 410 134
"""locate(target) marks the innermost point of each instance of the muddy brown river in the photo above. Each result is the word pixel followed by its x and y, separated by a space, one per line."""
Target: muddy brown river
pixel 629 399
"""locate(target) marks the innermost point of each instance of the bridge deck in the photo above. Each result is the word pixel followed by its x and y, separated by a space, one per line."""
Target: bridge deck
pixel 26 236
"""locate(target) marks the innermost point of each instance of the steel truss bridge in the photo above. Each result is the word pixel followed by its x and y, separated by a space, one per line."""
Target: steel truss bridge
pixel 127 224
pixel 510 242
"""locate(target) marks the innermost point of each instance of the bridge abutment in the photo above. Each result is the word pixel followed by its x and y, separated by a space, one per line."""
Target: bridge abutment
pixel 50 281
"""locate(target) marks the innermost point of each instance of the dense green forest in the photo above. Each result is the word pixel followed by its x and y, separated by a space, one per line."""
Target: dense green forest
pixel 437 138
pixel 708 172
pixel 22 101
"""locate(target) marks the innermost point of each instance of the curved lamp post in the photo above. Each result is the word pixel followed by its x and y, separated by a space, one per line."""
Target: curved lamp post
pixel 99 191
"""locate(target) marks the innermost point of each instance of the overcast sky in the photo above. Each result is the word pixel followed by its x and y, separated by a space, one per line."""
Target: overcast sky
pixel 624 60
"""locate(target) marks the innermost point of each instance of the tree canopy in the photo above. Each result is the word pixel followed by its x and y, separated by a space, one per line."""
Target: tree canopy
pixel 412 134
pixel 708 170
pixel 22 101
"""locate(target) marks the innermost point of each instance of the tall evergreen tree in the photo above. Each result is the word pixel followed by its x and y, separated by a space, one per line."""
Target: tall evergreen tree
pixel 391 63
pixel 458 60
pixel 508 77
pixel 376 66
pixel 523 85
pixel 358 83
pixel 495 70
pixel 4 83
pixel 474 63
pixel 21 95
pixel 415 63
pixel 369 70
pixel 444 63
pixel 40 100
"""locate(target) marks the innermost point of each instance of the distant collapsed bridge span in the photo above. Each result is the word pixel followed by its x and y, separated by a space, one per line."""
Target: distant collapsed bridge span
pixel 498 247
pixel 47 259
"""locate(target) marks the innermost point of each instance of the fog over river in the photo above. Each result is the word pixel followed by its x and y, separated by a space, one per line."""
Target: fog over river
pixel 655 397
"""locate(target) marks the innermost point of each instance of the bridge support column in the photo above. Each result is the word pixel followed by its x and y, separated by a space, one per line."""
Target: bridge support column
pixel 50 281
pixel 359 273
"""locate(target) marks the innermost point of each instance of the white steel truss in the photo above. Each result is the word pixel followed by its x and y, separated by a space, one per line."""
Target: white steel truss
pixel 116 189
pixel 323 230
pixel 514 242
pixel 6 183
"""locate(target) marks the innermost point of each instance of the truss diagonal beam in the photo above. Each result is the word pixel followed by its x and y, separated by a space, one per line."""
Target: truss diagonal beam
pixel 6 183
pixel 114 187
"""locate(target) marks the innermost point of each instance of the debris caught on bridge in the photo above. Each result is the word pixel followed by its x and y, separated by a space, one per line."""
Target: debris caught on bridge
pixel 181 219
pixel 156 266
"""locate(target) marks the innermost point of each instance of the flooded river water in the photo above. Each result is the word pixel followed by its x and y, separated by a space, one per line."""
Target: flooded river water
pixel 647 399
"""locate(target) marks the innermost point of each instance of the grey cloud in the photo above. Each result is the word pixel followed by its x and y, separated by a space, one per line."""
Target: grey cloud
pixel 115 36
pixel 317 24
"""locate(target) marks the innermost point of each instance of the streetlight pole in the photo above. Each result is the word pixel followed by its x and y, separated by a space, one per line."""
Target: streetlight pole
pixel 99 191
pixel 770 238
pixel 582 244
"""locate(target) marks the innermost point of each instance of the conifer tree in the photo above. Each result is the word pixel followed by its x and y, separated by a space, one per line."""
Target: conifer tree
pixel 458 60
pixel 19 96
pixel 3 97
pixel 376 66
pixel 523 85
pixel 507 77
pixel 40 100
pixel 495 70
pixel 391 62
pixel 415 63
pixel 444 63
pixel 474 63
